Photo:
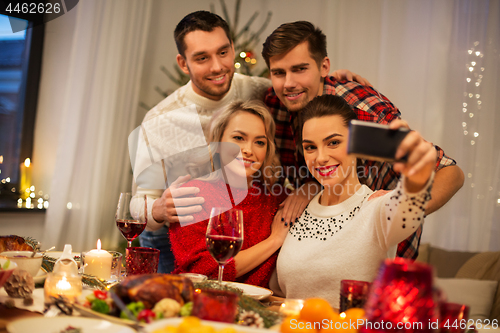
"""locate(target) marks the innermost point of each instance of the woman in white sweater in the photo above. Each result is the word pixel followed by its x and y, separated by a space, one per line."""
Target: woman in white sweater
pixel 346 232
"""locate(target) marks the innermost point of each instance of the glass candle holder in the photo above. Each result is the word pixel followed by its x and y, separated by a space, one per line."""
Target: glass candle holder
pixel 66 286
pixel 353 294
pixel 216 305
pixel 116 266
pixel 291 307
pixel 402 299
pixel 454 318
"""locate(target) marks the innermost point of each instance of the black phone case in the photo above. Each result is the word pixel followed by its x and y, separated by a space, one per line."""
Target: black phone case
pixel 374 141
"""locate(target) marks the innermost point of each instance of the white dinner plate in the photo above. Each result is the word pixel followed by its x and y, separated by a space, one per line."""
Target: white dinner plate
pixel 150 328
pixel 249 290
pixel 56 324
pixel 40 276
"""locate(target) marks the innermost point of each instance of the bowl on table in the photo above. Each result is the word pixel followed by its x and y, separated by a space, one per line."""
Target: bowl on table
pixel 7 272
pixel 24 260
pixel 194 277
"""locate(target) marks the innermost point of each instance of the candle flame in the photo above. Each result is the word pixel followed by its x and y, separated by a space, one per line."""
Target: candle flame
pixel 342 315
pixel 63 284
pixel 27 162
pixel 99 244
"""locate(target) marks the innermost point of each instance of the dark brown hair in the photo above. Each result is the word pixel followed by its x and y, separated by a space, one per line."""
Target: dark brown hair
pixel 200 20
pixel 322 106
pixel 289 35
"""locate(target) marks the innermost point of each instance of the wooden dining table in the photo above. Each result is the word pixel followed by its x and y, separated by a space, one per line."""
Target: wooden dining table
pixel 8 315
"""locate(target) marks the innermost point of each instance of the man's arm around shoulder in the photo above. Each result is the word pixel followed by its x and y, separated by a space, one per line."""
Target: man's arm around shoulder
pixel 447 182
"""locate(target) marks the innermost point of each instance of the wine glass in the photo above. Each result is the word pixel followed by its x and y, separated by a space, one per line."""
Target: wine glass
pixel 129 224
pixel 224 235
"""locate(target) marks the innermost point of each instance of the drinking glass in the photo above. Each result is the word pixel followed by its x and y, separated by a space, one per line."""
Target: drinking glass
pixel 216 305
pixel 353 294
pixel 129 226
pixel 141 260
pixel 224 235
pixel 454 318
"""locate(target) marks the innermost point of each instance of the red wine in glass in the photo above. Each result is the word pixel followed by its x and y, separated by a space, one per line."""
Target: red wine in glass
pixel 130 229
pixel 223 248
pixel 224 235
pixel 128 221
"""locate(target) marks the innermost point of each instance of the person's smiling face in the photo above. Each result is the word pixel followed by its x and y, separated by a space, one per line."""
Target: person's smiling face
pixel 248 131
pixel 209 62
pixel 324 140
pixel 296 77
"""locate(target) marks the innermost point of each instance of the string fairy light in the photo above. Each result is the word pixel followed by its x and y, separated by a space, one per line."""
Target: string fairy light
pixel 469 110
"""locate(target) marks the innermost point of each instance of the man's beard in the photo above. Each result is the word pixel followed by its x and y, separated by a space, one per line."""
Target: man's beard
pixel 213 90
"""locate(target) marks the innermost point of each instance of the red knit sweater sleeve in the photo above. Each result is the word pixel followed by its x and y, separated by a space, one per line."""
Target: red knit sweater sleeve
pixel 189 247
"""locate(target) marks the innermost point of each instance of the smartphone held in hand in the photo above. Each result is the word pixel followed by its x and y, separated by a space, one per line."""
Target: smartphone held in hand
pixel 374 141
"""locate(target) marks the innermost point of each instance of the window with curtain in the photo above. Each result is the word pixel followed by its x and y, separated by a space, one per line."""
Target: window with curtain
pixel 20 61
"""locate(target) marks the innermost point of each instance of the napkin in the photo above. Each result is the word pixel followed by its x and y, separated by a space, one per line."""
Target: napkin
pixel 38 301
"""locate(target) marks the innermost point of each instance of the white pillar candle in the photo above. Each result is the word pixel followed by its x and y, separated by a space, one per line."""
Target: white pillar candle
pixel 98 263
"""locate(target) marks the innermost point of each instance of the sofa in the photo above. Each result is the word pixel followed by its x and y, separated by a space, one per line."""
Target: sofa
pixel 471 278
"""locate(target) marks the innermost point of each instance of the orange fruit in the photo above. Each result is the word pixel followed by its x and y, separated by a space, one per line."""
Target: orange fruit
pixel 316 309
pixel 334 324
pixel 292 324
pixel 286 324
pixel 348 322
pixel 355 314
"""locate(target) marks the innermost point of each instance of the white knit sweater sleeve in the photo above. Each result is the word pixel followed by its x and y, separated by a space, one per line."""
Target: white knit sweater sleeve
pixel 251 87
pixel 151 182
pixel 400 213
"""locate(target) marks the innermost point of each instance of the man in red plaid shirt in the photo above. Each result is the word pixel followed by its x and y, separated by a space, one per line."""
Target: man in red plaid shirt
pixel 296 56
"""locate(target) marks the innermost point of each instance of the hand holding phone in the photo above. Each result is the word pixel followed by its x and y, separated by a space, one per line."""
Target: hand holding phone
pixel 380 142
pixel 375 141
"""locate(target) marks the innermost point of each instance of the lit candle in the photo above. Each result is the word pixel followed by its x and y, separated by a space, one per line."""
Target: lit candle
pixel 98 263
pixel 291 307
pixel 25 178
pixel 69 287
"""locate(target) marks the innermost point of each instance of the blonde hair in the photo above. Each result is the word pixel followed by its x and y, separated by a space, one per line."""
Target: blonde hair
pixel 269 168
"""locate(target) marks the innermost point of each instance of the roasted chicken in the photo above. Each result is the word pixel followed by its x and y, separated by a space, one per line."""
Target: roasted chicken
pixel 151 288
pixel 16 243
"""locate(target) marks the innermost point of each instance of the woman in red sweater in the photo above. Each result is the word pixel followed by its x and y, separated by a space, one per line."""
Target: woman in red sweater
pixel 247 183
